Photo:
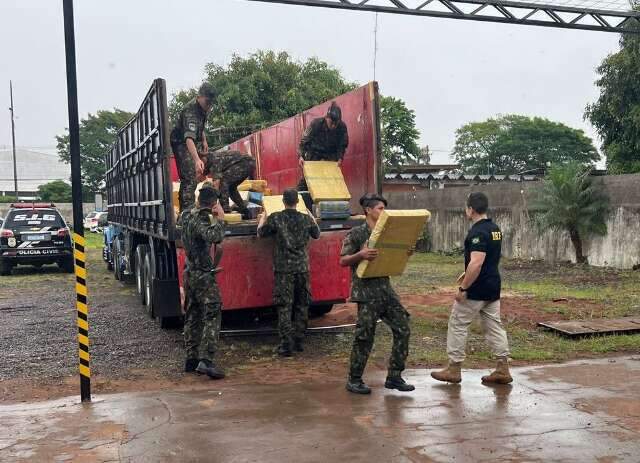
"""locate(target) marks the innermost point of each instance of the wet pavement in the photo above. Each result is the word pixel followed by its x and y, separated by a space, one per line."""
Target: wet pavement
pixel 586 411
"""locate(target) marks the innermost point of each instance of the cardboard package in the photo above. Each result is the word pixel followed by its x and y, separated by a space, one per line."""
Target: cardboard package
pixel 325 181
pixel 273 204
pixel 232 217
pixel 253 185
pixel 395 233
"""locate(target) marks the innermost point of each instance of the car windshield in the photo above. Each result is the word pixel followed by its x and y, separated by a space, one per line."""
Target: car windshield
pixel 30 218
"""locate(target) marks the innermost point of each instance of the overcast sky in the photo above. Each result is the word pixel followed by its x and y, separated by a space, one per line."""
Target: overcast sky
pixel 449 71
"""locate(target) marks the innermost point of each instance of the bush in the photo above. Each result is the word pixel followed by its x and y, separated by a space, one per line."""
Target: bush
pixel 8 199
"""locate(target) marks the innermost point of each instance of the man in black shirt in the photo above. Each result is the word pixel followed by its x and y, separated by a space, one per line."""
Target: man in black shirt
pixel 479 293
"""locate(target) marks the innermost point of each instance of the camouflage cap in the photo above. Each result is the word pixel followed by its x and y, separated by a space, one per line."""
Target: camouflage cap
pixel 207 90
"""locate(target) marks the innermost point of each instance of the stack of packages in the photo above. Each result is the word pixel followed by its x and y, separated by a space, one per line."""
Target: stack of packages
pixel 328 190
pixel 253 193
pixel 395 233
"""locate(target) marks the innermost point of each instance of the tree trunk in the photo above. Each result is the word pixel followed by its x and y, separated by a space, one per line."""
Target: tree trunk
pixel 577 246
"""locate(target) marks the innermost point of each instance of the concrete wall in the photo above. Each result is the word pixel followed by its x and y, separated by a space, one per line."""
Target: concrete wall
pixel 65 209
pixel 509 207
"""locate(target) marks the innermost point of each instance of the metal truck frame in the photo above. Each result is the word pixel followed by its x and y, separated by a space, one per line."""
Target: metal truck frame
pixel 142 241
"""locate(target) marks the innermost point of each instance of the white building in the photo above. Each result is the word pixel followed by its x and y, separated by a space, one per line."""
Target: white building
pixel 34 169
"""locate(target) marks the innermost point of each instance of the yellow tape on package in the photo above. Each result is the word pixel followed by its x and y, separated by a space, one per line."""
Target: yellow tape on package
pixel 395 233
pixel 325 181
pixel 253 185
pixel 273 204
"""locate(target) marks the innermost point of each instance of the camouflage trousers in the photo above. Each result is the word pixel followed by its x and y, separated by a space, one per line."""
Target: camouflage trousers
pixel 203 315
pixel 395 316
pixel 188 180
pixel 234 168
pixel 291 296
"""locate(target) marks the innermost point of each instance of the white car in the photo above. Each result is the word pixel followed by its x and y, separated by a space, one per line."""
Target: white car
pixel 95 220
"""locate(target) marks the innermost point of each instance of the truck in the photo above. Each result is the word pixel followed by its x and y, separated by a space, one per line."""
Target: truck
pixel 143 243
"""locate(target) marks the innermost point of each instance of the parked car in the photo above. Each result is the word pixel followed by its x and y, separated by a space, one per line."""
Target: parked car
pixel 35 234
pixel 95 221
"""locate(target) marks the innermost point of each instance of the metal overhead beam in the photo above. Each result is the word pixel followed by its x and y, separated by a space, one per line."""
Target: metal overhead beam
pixel 507 11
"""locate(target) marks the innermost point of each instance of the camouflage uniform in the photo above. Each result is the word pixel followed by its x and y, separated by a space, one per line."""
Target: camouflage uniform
pixel 203 315
pixel 291 293
pixel 233 167
pixel 319 143
pixel 190 124
pixel 376 300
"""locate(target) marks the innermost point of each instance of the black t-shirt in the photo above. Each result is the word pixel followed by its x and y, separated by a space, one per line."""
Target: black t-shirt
pixel 484 236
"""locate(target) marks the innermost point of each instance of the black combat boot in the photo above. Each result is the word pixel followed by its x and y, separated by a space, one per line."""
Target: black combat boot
pixel 357 386
pixel 284 350
pixel 297 345
pixel 396 382
pixel 190 365
pixel 207 367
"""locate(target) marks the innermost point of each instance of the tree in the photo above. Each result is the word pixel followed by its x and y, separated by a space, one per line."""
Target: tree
pixel 97 135
pixel 262 89
pixel 571 202
pixel 56 191
pixel 399 133
pixel 511 144
pixel 266 87
pixel 616 113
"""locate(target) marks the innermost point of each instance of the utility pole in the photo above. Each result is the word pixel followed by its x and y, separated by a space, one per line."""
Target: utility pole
pixel 76 193
pixel 13 142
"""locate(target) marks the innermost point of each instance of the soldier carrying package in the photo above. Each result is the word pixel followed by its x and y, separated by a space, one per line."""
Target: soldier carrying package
pixel 291 294
pixel 201 230
pixel 376 300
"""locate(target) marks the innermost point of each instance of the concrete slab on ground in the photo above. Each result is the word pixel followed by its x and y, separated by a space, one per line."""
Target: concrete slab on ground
pixel 577 412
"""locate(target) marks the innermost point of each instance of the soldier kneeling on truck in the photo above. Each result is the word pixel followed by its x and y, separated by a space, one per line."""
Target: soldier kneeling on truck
pixel 231 168
pixel 203 315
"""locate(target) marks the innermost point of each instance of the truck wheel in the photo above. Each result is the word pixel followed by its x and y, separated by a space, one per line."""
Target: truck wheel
pixel 139 270
pixel 319 310
pixel 5 267
pixel 148 285
pixel 67 265
pixel 116 253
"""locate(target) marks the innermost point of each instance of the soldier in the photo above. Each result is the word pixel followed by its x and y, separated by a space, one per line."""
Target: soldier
pixel 326 139
pixel 376 300
pixel 291 294
pixel 232 167
pixel 479 293
pixel 187 133
pixel 200 231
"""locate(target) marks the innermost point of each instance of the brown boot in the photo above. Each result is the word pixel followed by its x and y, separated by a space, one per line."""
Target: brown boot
pixel 501 374
pixel 451 374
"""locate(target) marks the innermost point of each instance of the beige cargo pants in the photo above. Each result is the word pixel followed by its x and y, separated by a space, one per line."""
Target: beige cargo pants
pixel 462 314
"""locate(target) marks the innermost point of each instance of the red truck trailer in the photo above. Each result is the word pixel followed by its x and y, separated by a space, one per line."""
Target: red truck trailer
pixel 142 240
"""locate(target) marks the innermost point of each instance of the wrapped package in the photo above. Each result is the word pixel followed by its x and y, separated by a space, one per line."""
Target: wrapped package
pixel 395 233
pixel 253 185
pixel 273 204
pixel 325 181
pixel 332 210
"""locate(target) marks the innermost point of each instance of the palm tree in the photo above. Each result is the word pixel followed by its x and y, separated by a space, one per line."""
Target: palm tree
pixel 570 201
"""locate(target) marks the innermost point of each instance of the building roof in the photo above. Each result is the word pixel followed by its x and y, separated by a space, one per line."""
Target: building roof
pixel 425 168
pixel 458 177
pixel 34 169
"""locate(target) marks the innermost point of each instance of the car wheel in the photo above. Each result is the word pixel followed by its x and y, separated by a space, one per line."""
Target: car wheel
pixel 67 265
pixel 148 285
pixel 5 267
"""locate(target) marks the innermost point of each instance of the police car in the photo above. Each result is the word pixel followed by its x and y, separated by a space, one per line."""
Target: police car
pixel 34 234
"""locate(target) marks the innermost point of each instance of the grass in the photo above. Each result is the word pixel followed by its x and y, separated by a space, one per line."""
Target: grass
pixel 94 240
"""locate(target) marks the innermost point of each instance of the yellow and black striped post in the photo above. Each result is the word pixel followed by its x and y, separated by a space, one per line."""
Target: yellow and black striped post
pixel 83 316
pixel 76 194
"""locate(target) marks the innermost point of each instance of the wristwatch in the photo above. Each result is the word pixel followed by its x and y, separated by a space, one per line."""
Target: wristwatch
pixel 461 289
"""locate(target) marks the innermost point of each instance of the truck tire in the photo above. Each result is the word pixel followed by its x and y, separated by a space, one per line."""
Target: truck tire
pixel 138 264
pixel 318 310
pixel 5 267
pixel 148 285
pixel 116 252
